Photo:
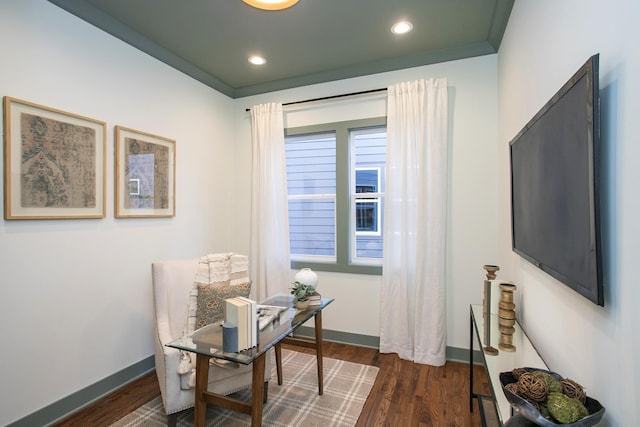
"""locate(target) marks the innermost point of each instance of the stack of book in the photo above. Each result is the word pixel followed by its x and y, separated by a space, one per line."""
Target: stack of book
pixel 243 313
pixel 315 299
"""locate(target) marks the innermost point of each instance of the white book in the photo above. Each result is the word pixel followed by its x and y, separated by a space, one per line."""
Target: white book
pixel 237 312
pixel 252 319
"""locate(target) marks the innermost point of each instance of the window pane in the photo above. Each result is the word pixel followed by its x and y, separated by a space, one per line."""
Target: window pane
pixel 368 242
pixel 312 227
pixel 368 247
pixel 311 185
pixel 367 180
pixel 366 216
pixel 311 164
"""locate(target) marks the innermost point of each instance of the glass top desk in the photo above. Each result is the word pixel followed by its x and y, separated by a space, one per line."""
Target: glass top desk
pixel 206 342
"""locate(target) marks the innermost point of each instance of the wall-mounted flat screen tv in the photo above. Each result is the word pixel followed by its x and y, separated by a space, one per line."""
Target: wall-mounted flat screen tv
pixel 555 186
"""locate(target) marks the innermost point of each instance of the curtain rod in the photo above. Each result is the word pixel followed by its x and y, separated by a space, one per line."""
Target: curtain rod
pixel 324 98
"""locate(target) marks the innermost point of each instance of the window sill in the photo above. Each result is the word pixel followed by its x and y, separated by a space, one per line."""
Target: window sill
pixel 374 270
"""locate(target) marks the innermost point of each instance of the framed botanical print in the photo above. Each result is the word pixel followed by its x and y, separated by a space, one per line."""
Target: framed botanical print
pixel 145 174
pixel 54 163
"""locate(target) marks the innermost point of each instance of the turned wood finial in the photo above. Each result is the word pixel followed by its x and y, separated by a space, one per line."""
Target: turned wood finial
pixel 491 271
pixel 486 305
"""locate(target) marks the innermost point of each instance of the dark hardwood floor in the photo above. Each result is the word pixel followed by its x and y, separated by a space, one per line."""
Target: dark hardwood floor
pixel 404 394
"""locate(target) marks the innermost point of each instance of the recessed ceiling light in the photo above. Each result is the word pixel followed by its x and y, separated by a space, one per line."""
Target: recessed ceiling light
pixel 257 60
pixel 271 4
pixel 402 27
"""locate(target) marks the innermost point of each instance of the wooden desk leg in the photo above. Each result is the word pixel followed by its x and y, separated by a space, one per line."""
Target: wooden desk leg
pixel 318 327
pixel 278 350
pixel 202 376
pixel 257 390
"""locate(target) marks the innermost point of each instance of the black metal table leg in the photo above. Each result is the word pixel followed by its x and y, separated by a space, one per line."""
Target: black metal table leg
pixel 470 361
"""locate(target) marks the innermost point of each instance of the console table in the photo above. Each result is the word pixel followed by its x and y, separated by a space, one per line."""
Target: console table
pixel 524 356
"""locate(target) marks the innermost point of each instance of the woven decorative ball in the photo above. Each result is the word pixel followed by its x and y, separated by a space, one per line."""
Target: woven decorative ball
pixel 512 387
pixel 532 387
pixel 573 389
pixel 517 372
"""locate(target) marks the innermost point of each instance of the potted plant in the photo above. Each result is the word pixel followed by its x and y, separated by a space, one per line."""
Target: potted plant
pixel 301 292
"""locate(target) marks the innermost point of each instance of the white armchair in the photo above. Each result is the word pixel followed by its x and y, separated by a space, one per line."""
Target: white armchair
pixel 172 283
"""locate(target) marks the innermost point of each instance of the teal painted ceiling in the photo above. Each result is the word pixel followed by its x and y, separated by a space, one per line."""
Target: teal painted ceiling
pixel 314 41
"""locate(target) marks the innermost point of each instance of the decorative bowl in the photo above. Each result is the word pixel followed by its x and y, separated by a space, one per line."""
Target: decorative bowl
pixel 531 413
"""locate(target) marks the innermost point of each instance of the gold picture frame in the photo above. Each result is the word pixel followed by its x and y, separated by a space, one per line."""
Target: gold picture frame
pixel 145 175
pixel 54 163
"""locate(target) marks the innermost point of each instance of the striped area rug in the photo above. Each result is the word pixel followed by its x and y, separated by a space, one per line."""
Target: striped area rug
pixel 295 403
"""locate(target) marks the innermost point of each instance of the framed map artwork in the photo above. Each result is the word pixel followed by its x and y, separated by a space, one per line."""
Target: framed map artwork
pixel 145 174
pixel 54 163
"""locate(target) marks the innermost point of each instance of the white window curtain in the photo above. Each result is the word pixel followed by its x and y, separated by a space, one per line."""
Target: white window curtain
pixel 413 323
pixel 270 265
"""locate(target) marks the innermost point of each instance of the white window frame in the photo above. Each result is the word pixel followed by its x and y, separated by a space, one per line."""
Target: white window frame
pixel 371 198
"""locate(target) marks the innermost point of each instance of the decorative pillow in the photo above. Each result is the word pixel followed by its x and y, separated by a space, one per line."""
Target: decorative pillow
pixel 210 306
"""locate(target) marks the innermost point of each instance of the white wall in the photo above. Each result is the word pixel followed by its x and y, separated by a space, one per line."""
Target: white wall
pixel 75 295
pixel 545 43
pixel 473 219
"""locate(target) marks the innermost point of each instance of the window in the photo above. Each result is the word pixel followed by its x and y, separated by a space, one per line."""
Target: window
pixel 335 182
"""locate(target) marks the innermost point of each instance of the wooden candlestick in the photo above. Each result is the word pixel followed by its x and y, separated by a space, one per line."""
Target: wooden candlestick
pixel 491 271
pixel 486 309
pixel 507 317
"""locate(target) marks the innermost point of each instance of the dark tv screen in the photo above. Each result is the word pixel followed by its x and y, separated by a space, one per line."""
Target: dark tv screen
pixel 555 186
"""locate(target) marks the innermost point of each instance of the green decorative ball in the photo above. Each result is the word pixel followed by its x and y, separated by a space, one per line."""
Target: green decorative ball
pixel 565 409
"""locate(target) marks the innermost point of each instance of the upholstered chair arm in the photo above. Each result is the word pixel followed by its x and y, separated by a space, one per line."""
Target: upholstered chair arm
pixel 167 360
